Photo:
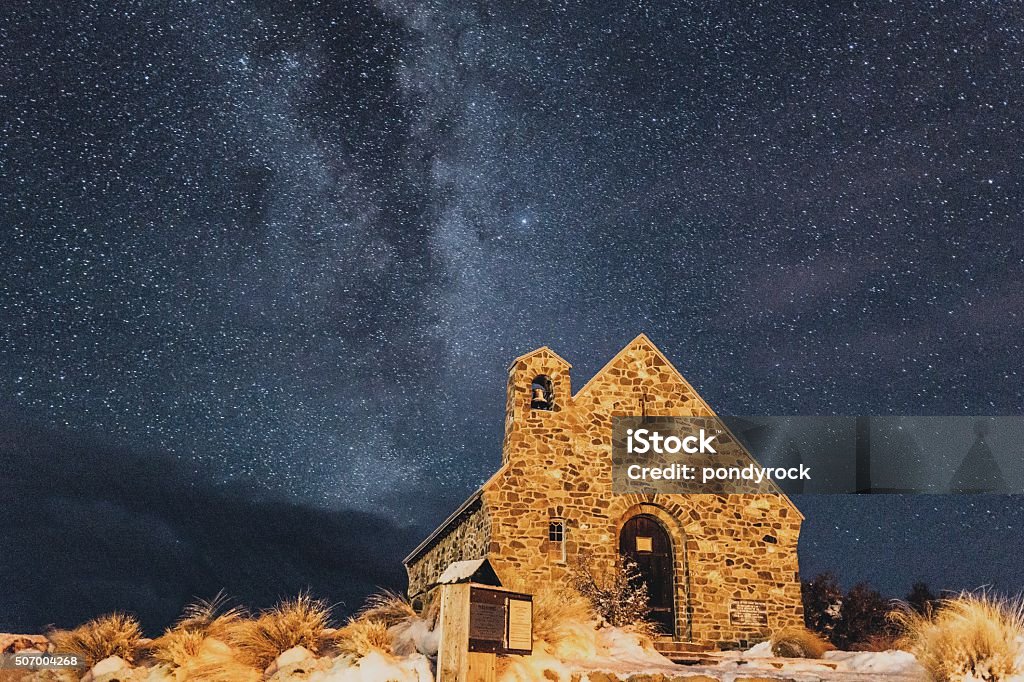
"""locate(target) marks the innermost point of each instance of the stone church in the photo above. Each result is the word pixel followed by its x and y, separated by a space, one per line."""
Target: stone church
pixel 721 569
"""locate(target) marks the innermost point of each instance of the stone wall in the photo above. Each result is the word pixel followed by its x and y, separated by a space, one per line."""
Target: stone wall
pixel 466 538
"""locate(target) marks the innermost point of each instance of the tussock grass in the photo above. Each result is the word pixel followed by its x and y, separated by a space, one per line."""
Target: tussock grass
pixel 361 636
pixel 212 617
pixel 431 609
pixel 971 636
pixel 387 607
pixel 116 634
pixel 410 631
pixel 201 622
pixel 564 621
pixel 302 621
pixel 799 642
pixel 176 646
pixel 215 661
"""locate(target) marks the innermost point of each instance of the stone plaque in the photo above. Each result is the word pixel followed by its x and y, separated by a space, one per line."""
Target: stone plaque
pixel 747 612
pixel 520 626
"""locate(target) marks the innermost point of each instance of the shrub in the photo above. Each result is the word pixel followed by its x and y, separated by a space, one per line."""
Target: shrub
pixel 823 604
pixel 851 620
pixel 975 636
pixel 302 621
pixel 618 594
pixel 116 634
pixel 922 599
pixel 799 642
pixel 864 615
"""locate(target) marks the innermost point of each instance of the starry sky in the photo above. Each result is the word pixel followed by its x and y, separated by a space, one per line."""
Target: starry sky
pixel 264 263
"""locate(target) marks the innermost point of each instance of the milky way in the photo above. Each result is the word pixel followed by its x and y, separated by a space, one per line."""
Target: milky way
pixel 296 244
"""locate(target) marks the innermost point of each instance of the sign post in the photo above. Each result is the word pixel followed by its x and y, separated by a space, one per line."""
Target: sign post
pixel 477 623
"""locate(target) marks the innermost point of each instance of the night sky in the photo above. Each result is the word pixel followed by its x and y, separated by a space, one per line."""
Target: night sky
pixel 263 266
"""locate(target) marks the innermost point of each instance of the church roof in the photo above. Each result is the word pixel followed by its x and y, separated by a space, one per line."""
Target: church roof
pixel 642 341
pixel 543 350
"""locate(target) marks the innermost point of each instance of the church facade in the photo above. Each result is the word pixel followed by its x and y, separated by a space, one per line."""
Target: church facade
pixel 722 570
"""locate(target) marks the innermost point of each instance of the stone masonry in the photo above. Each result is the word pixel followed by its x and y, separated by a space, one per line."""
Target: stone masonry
pixel 556 464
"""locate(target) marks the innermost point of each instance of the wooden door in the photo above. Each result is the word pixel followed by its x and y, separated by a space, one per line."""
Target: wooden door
pixel 645 541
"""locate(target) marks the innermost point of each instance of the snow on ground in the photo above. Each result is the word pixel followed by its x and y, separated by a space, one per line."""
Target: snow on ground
pixel 623 654
pixel 624 659
pixel 836 665
pixel 601 656
pixel 376 667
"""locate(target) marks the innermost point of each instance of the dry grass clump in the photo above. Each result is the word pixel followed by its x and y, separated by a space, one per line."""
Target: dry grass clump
pixel 979 634
pixel 215 661
pixel 431 609
pixel 302 621
pixel 212 617
pixel 414 630
pixel 387 624
pixel 799 642
pixel 176 646
pixel 361 636
pixel 190 637
pixel 976 636
pixel 116 634
pixel 387 607
pixel 647 631
pixel 564 620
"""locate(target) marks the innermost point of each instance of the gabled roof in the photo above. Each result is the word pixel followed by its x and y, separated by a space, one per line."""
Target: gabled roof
pixel 475 570
pixel 645 342
pixel 543 350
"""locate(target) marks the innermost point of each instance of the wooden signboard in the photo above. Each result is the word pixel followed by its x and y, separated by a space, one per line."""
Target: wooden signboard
pixel 500 622
pixel 747 612
pixel 519 632
pixel 478 622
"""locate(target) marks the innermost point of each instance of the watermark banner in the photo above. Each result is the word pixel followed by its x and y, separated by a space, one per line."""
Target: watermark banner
pixel 794 455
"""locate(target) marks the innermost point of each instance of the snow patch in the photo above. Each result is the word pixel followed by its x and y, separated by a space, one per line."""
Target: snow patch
pixel 376 667
pixel 881 662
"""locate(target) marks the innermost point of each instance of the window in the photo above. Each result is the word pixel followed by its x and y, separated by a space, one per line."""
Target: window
pixel 556 530
pixel 542 395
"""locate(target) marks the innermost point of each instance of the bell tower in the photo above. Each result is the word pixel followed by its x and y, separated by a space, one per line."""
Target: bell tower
pixel 538 398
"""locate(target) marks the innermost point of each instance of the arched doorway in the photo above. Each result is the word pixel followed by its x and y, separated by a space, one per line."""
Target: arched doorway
pixel 645 541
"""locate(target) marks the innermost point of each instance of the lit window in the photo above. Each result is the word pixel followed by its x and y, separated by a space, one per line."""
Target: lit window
pixel 644 544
